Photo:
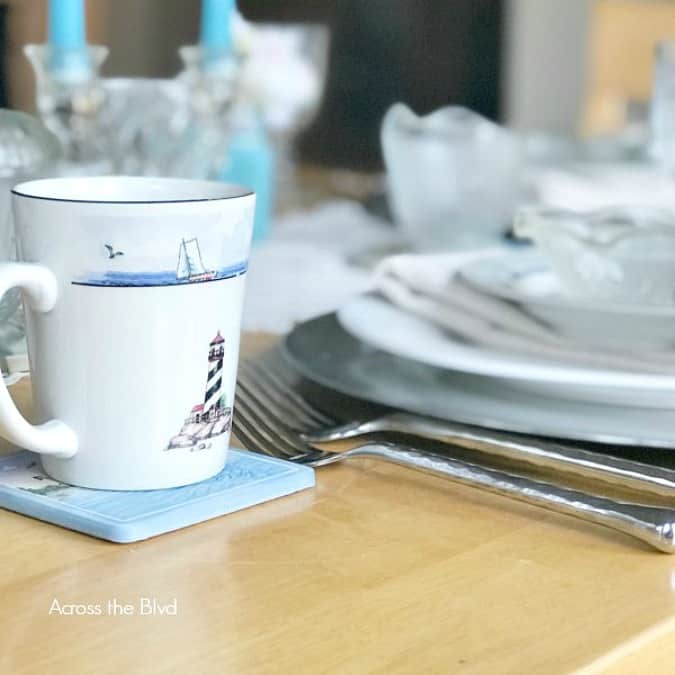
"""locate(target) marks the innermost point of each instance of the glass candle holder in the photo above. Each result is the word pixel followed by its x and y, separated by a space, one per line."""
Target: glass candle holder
pixel 209 80
pixel 70 100
pixel 225 138
pixel 27 151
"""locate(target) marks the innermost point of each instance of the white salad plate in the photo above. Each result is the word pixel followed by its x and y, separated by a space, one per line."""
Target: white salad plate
pixel 391 329
pixel 525 279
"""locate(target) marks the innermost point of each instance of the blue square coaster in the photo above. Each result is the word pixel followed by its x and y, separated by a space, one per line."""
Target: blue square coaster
pixel 123 517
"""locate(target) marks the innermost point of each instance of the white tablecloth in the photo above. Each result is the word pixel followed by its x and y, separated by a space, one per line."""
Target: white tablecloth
pixel 307 267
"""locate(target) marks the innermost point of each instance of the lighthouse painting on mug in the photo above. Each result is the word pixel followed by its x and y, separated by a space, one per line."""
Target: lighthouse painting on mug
pixel 211 417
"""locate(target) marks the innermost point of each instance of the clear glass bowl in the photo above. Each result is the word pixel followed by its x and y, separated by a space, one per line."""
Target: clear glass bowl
pixel 619 255
pixel 453 176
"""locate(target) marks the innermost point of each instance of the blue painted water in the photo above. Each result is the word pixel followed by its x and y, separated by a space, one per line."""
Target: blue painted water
pixel 165 278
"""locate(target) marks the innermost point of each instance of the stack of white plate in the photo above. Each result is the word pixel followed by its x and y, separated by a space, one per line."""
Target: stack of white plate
pixel 507 390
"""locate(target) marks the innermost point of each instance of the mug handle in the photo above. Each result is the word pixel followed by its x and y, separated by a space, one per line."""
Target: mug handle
pixel 53 437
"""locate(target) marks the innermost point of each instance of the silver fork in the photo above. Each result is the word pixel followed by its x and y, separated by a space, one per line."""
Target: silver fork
pixel 272 384
pixel 265 425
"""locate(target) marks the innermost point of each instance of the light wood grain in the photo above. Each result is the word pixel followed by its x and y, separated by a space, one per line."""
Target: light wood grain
pixel 378 569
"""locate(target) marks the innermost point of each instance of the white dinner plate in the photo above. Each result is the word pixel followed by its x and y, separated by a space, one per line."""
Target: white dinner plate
pixel 383 325
pixel 326 354
pixel 526 280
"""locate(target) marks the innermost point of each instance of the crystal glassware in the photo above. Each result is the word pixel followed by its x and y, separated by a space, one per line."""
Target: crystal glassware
pixel 27 150
pixel 70 100
pixel 209 80
pixel 147 119
pixel 283 73
pixel 453 176
pixel 225 137
pixel 618 255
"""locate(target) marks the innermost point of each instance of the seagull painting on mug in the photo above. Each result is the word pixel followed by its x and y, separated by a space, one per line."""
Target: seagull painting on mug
pixel 112 253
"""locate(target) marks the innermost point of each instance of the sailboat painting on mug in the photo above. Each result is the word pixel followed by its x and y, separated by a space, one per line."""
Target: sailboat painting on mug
pixel 190 269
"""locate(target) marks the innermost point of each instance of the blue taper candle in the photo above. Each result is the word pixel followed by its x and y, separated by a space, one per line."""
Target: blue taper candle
pixel 66 24
pixel 216 34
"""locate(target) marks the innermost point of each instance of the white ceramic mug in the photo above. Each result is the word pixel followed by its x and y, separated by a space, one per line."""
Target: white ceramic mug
pixel 133 290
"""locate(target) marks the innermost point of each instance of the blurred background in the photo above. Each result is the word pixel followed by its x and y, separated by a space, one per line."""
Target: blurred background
pixel 365 127
pixel 578 66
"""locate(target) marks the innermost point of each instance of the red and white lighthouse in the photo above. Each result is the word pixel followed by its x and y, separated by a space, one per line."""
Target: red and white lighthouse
pixel 209 419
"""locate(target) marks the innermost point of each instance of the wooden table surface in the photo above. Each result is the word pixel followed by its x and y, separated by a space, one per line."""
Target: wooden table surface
pixel 378 569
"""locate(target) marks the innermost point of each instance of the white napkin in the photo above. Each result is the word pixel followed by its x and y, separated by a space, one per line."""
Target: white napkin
pixel 427 286
pixel 307 266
